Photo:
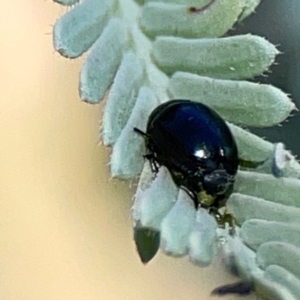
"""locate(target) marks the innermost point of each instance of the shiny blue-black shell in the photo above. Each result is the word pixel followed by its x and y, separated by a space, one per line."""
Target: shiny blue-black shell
pixel 194 143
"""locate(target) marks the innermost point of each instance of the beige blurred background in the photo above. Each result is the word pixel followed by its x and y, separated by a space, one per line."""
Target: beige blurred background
pixel 65 228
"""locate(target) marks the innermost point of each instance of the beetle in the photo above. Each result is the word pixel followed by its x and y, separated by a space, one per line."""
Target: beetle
pixel 197 147
pixel 200 152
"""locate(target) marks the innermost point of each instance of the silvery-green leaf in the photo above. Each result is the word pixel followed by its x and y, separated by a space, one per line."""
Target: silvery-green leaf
pixel 267 289
pixel 279 160
pixel 156 79
pixel 177 225
pixel 146 177
pixel 203 241
pixel 236 57
pixel 292 167
pixel 145 181
pixel 242 261
pixel 239 102
pixel 245 207
pixel 212 20
pixel 238 258
pixel 281 190
pixel 122 98
pixel 256 232
pixel 250 146
pixel 100 67
pixel 76 31
pixel 127 155
pixel 281 254
pixel 226 58
pixel 255 149
pixel 283 277
pixel 249 8
pixel 154 203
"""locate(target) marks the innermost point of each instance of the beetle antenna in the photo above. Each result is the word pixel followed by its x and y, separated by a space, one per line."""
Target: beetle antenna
pixel 139 131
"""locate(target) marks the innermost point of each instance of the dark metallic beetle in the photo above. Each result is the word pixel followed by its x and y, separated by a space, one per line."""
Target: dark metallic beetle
pixel 196 146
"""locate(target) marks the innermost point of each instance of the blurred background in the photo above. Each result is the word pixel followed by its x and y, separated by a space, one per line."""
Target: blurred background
pixel 65 227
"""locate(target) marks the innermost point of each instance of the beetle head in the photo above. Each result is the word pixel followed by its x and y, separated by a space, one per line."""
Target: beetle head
pixel 217 182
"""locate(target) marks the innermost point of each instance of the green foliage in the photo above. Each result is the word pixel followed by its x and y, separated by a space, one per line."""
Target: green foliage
pixel 147 52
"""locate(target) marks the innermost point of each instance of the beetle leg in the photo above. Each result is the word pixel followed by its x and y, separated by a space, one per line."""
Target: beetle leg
pixel 150 157
pixel 153 163
pixel 192 195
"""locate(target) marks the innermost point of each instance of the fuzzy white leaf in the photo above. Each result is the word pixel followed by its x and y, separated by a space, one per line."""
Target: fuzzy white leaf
pixel 127 156
pixel 240 102
pixel 177 225
pixel 100 67
pixel 236 57
pixel 76 31
pixel 122 98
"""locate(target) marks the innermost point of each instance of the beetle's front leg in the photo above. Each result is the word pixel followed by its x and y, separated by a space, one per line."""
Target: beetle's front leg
pixel 192 195
pixel 153 163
